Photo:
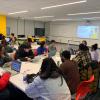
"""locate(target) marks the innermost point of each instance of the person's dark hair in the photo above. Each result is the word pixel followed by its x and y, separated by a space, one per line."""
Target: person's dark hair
pixel 3 37
pixel 29 40
pixel 42 44
pixel 85 42
pixel 49 69
pixel 25 46
pixel 12 34
pixel 95 47
pixel 66 54
pixel 53 41
pixel 83 47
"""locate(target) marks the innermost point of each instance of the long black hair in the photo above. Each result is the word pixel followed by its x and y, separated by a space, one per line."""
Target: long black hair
pixel 49 69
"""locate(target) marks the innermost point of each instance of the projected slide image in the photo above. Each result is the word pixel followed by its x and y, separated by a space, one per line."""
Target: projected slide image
pixel 88 32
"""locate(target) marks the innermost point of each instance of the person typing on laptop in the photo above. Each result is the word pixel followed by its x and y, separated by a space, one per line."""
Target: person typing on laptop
pixel 24 53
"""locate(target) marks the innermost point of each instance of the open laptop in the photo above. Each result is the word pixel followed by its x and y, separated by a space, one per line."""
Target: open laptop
pixel 7 39
pixel 15 67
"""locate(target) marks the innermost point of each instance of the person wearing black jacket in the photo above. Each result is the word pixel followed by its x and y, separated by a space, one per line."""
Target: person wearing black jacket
pixel 24 53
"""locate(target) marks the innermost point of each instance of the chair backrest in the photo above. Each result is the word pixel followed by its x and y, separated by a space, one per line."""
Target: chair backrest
pixel 87 71
pixel 84 88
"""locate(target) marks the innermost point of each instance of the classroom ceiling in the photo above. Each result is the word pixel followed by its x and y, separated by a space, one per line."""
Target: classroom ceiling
pixel 33 8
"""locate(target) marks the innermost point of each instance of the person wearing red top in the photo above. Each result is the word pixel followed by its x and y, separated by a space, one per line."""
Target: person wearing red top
pixel 4 92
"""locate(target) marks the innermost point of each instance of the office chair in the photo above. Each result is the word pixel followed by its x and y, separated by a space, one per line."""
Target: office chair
pixel 84 88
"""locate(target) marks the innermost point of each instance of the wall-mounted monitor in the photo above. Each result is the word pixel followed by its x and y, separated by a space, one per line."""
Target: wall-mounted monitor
pixel 39 31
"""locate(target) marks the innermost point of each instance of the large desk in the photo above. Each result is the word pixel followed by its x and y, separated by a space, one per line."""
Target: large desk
pixel 29 68
pixel 34 46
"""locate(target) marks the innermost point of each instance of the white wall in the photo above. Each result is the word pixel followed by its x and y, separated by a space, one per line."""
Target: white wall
pixel 64 31
pixel 12 23
pixel 47 29
pixel 21 27
pixel 39 24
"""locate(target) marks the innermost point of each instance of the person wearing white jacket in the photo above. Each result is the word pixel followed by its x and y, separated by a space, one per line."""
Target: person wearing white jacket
pixel 49 84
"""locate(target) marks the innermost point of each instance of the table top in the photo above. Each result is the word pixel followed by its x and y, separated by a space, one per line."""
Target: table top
pixel 34 46
pixel 29 68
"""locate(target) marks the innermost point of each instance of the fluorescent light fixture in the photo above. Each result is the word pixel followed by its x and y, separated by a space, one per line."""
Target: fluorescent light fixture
pixel 17 12
pixel 43 17
pixel 62 19
pixel 92 18
pixel 76 19
pixel 72 3
pixel 83 13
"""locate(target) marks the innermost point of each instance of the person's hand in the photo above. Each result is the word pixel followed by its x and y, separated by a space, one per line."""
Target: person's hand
pixel 1 73
pixel 7 64
pixel 29 59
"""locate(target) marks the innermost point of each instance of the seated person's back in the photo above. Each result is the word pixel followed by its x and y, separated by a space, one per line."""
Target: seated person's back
pixel 94 52
pixel 49 84
pixel 70 70
pixel 24 53
pixel 12 38
pixel 83 57
pixel 52 48
pixel 4 58
pixel 5 44
pixel 42 49
pixel 3 41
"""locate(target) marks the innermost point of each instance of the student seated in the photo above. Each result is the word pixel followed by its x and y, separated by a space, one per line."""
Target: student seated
pixel 12 39
pixel 4 58
pixel 24 53
pixel 83 57
pixel 87 67
pixel 48 84
pixel 3 41
pixel 6 46
pixel 52 48
pixel 70 70
pixel 4 80
pixel 29 40
pixel 84 42
pixel 42 49
pixel 94 52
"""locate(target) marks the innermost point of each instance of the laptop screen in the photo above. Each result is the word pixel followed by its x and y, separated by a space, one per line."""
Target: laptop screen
pixel 7 39
pixel 16 66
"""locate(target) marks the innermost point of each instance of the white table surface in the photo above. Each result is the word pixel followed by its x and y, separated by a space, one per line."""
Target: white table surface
pixel 34 46
pixel 18 82
pixel 26 68
pixel 29 68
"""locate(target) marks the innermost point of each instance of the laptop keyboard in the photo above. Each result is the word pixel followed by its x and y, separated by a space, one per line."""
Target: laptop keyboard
pixel 11 71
